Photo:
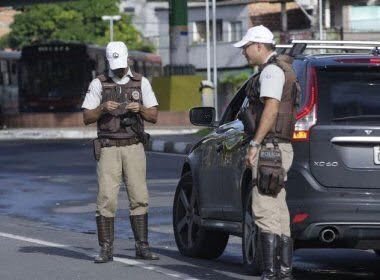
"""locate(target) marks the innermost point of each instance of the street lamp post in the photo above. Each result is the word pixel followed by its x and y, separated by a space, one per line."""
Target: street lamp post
pixel 214 56
pixel 111 20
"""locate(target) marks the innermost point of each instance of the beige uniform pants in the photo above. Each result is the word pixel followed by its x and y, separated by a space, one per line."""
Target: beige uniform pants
pixel 127 163
pixel 271 213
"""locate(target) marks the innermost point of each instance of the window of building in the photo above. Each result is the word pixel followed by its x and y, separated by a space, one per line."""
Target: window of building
pixel 235 31
pixel 129 10
pixel 199 31
pixel 364 18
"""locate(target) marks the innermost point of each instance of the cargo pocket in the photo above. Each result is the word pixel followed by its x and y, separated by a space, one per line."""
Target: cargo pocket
pixel 287 157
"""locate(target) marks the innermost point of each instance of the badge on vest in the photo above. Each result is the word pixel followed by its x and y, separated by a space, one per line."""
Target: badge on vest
pixel 135 95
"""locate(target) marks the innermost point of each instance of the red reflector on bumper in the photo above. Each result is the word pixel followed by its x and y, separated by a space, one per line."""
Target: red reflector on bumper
pixel 299 218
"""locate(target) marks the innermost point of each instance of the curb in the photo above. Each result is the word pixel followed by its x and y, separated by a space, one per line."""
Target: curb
pixel 154 145
pixel 46 134
pixel 67 133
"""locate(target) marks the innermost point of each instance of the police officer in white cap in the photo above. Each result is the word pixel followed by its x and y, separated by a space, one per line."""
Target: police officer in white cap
pixel 272 95
pixel 120 101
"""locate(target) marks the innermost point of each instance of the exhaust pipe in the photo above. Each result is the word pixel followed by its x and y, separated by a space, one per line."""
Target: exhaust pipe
pixel 328 235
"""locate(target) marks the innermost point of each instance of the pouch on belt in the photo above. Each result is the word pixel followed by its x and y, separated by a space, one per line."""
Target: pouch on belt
pixel 270 173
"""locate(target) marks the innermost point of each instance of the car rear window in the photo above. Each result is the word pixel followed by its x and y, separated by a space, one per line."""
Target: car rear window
pixel 349 95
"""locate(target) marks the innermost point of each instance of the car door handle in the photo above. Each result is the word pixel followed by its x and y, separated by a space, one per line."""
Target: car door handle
pixel 219 147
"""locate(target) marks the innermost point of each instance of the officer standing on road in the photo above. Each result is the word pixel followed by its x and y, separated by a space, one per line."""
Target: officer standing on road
pixel 120 101
pixel 272 94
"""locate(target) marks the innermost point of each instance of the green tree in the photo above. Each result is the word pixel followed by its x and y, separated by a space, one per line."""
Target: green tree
pixel 74 21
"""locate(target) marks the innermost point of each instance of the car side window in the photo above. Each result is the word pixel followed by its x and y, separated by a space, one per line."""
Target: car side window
pixel 233 108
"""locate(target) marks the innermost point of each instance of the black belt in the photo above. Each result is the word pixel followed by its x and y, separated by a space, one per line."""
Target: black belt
pixel 273 139
pixel 118 142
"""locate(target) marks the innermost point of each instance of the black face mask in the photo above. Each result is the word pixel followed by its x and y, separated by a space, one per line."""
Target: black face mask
pixel 119 72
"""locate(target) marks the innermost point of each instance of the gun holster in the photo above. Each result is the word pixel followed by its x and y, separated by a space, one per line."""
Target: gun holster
pixel 97 148
pixel 145 138
pixel 142 135
pixel 270 173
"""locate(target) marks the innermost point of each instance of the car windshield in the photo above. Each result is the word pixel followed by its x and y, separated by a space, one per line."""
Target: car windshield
pixel 349 94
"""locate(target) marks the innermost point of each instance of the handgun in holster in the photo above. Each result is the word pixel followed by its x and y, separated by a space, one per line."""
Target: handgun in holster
pixel 142 135
pixel 97 148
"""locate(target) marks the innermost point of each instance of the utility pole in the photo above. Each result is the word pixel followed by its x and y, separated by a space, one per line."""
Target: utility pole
pixel 179 54
pixel 320 13
pixel 284 23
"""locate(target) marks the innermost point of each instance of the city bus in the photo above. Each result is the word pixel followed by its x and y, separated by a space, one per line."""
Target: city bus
pixel 55 77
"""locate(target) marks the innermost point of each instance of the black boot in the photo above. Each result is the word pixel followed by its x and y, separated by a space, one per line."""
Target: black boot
pixel 286 256
pixel 139 224
pixel 105 236
pixel 270 255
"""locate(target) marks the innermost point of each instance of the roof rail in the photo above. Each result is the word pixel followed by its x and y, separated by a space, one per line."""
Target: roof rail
pixel 328 47
pixel 298 46
pixel 326 42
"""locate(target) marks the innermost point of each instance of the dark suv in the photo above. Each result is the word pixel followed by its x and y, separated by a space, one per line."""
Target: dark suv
pixel 333 187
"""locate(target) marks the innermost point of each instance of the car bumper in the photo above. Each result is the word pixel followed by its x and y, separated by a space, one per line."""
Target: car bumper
pixel 332 217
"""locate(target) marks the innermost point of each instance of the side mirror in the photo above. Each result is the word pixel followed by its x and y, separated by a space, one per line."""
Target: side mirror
pixel 202 116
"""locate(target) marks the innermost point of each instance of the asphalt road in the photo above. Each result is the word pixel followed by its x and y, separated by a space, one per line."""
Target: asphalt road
pixel 47 195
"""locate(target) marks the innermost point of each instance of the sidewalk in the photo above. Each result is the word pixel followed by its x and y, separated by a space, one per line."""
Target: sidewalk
pixel 168 139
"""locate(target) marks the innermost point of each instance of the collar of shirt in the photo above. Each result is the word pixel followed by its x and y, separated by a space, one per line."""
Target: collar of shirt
pixel 269 56
pixel 123 80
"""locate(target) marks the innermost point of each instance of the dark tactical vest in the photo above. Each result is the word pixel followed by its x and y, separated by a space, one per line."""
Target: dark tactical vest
pixel 120 124
pixel 283 128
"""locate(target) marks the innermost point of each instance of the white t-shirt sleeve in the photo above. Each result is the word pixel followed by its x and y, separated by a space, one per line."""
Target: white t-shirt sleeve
pixel 272 80
pixel 93 96
pixel 148 96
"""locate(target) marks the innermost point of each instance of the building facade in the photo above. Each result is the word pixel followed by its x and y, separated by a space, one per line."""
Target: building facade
pixel 233 19
pixel 341 20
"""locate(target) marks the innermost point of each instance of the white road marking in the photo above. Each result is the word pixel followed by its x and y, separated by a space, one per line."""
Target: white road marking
pixel 73 249
pixel 31 240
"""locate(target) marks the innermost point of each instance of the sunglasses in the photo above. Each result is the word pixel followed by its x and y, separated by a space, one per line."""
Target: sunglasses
pixel 247 46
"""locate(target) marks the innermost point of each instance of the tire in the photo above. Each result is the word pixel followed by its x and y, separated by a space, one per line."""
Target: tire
pixel 252 258
pixel 192 240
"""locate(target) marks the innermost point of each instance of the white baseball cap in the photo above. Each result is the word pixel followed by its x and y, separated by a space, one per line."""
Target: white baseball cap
pixel 117 55
pixel 257 34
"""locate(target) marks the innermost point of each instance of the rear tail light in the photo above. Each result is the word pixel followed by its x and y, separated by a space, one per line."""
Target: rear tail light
pixel 307 117
pixel 374 61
